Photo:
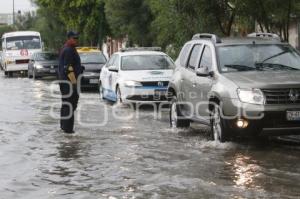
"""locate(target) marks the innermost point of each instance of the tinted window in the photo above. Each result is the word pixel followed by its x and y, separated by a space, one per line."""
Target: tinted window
pixel 117 61
pixel 111 61
pixel 46 56
pixel 147 62
pixel 92 58
pixel 258 57
pixel 184 55
pixel 206 59
pixel 193 61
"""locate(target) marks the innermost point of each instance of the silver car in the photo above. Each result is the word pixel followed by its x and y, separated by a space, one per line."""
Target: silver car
pixel 244 86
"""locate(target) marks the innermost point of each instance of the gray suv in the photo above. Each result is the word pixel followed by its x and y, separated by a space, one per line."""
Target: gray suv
pixel 238 86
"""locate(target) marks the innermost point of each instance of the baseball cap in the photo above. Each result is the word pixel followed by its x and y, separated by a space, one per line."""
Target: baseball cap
pixel 73 34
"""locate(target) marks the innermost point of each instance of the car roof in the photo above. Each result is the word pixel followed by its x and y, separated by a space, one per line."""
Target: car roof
pixel 247 40
pixel 88 49
pixel 146 52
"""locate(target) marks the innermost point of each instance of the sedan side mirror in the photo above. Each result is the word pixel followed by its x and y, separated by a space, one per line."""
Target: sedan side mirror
pixel 113 69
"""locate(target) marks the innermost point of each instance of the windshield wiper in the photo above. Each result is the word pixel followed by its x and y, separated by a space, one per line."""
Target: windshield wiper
pixel 274 66
pixel 239 67
pixel 273 56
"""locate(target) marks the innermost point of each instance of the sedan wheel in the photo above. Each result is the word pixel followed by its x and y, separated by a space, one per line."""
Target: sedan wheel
pixel 101 91
pixel 119 96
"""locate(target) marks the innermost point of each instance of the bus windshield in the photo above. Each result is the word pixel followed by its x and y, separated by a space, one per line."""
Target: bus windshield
pixel 23 42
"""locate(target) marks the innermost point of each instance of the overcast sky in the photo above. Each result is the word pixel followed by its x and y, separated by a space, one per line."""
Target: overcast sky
pixel 6 6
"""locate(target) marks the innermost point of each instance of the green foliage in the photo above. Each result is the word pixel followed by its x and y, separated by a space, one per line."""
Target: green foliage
pixel 165 23
pixel 85 16
pixel 130 18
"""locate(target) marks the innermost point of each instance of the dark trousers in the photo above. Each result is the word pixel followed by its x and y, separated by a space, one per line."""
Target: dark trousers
pixel 70 99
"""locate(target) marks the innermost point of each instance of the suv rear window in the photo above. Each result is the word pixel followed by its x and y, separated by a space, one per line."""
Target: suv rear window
pixel 258 57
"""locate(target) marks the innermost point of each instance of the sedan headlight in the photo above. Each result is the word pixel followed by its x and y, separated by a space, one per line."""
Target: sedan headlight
pixel 38 66
pixel 132 84
pixel 251 96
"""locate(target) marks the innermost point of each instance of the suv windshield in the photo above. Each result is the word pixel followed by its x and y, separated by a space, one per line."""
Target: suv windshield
pixel 23 42
pixel 146 62
pixel 258 57
pixel 46 56
pixel 92 58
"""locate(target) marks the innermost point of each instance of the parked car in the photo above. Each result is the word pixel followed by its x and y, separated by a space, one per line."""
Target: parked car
pixel 136 75
pixel 247 86
pixel 43 64
pixel 92 59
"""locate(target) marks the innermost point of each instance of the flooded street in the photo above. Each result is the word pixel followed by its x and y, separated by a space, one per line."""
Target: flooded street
pixel 117 153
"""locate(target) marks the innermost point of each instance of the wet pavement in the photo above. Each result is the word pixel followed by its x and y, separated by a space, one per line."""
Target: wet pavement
pixel 118 153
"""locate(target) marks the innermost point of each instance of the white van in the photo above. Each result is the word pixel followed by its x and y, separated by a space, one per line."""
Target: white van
pixel 17 49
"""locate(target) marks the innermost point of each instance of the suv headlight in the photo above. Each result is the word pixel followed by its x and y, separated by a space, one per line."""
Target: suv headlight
pixel 251 96
pixel 132 84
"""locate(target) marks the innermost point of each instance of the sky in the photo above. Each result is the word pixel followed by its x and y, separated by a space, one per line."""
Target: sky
pixel 6 6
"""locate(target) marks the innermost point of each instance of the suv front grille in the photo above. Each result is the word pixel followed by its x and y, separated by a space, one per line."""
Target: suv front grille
pixel 282 96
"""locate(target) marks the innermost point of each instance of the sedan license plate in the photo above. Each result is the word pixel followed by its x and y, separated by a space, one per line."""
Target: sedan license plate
pixel 293 115
pixel 93 81
pixel 160 92
pixel 53 71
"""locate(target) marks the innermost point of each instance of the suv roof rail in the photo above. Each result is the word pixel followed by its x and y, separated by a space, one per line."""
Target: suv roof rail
pixel 265 35
pixel 141 49
pixel 213 37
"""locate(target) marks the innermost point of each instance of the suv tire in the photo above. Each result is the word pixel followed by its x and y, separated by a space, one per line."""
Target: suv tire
pixel 176 118
pixel 219 126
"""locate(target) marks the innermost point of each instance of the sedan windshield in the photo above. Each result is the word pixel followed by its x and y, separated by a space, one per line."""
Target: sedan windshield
pixel 46 56
pixel 258 57
pixel 147 62
pixel 92 58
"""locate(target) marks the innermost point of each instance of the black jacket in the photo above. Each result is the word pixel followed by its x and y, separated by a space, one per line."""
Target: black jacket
pixel 69 57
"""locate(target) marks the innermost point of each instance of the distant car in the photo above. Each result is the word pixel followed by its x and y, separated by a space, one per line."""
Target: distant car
pixel 43 64
pixel 92 59
pixel 136 75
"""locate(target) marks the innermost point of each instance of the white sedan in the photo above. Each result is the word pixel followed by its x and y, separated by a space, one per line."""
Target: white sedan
pixel 136 76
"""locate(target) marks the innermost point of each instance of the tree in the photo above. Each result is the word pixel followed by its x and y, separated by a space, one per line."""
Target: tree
pixel 85 16
pixel 130 18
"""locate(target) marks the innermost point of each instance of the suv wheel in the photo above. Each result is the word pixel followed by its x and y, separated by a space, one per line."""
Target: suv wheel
pixel 219 129
pixel 176 118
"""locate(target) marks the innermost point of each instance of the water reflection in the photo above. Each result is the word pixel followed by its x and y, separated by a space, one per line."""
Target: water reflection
pixel 245 171
pixel 69 150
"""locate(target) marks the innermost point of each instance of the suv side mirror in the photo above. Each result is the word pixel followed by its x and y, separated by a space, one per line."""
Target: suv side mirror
pixel 203 72
pixel 113 69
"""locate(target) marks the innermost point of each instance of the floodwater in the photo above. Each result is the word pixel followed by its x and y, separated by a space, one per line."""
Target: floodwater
pixel 118 153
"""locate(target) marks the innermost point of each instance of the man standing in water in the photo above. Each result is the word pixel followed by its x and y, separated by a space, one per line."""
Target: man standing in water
pixel 68 72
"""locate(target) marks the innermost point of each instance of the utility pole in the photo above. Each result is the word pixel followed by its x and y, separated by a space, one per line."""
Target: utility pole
pixel 14 12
